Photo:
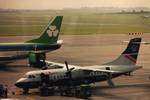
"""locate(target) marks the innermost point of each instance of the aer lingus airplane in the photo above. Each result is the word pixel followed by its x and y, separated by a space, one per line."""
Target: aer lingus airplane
pixel 48 41
pixel 123 65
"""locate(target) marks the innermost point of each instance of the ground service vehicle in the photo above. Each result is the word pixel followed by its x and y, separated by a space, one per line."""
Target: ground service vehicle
pixel 3 91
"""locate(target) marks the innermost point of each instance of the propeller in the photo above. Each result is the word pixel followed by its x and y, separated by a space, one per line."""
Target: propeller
pixel 69 72
pixel 66 63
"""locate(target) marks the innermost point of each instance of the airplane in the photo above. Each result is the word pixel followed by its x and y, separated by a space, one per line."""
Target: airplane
pixel 61 76
pixel 48 41
pixel 146 16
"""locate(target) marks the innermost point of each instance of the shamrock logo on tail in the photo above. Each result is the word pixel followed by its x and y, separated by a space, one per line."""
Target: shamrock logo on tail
pixel 52 31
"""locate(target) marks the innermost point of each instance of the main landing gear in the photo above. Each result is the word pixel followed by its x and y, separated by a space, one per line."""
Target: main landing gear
pixel 82 91
pixel 109 78
pixel 25 91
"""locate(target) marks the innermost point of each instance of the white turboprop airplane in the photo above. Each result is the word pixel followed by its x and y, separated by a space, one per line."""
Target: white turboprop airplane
pixel 60 76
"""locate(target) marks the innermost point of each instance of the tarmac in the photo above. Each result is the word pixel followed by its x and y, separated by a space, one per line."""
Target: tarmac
pixel 86 50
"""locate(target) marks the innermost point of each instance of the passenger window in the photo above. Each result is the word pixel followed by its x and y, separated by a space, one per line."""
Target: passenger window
pixel 91 74
pixel 30 76
pixel 33 76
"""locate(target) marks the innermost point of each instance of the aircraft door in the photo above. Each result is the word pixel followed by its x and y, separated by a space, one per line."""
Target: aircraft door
pixel 45 78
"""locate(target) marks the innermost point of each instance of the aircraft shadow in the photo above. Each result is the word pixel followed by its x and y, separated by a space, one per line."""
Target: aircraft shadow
pixel 145 85
pixel 10 68
pixel 98 90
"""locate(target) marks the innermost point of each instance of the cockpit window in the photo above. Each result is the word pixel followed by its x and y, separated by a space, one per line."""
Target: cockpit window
pixel 31 76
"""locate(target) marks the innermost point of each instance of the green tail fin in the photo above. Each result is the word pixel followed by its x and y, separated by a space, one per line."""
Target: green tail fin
pixel 51 33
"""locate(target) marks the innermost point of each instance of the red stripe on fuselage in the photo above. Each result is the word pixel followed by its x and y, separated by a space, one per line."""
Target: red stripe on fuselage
pixel 130 58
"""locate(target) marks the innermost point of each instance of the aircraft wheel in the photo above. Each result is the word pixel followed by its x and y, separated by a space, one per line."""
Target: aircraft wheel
pixel 51 91
pixel 5 95
pixel 62 93
pixel 25 91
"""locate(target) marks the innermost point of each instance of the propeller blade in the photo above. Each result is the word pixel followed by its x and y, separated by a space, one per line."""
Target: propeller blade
pixel 66 63
pixel 68 70
pixel 72 69
pixel 69 73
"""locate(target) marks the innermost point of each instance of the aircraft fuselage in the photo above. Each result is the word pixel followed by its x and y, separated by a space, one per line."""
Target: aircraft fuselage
pixel 58 77
pixel 28 47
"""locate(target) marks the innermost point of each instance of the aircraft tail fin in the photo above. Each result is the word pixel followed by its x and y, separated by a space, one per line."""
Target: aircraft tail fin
pixel 129 55
pixel 51 32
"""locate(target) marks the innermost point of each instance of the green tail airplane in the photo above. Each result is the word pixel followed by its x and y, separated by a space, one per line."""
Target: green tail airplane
pixel 48 41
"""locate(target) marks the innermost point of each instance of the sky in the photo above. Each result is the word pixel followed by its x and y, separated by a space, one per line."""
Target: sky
pixel 61 4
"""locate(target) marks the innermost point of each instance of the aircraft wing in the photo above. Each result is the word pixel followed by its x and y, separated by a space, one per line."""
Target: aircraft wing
pixel 53 63
pixel 56 65
pixel 50 62
pixel 97 70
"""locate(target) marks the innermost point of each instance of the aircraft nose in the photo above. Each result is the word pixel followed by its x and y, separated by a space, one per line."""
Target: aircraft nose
pixel 20 83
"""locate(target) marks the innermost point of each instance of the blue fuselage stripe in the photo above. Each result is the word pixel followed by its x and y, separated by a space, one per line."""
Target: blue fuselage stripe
pixel 62 82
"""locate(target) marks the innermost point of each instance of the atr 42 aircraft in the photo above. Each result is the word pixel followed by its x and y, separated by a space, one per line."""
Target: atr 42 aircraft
pixel 48 41
pixel 60 76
